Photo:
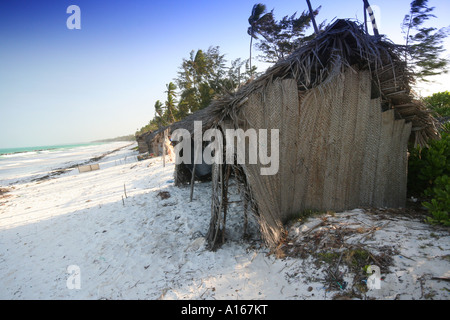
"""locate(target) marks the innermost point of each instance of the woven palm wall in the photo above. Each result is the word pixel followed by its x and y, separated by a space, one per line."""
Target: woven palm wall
pixel 338 150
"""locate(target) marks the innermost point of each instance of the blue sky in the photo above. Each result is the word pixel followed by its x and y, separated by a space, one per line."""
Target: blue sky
pixel 67 86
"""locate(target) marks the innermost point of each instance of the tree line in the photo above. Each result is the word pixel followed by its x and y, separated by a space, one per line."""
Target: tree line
pixel 202 76
pixel 205 74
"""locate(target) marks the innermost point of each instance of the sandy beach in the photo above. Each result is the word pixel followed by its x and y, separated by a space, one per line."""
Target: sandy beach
pixel 126 232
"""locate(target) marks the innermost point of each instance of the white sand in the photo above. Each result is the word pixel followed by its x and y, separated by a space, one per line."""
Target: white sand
pixel 152 248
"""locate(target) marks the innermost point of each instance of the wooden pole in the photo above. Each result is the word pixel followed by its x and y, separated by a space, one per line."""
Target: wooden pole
pixel 218 223
pixel 311 14
pixel 192 182
pixel 372 17
pixel 365 19
pixel 164 148
pixel 225 199
pixel 193 170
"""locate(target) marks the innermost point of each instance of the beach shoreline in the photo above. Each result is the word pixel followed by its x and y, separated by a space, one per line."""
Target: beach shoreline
pixel 13 151
pixel 30 166
pixel 132 234
pixel 59 171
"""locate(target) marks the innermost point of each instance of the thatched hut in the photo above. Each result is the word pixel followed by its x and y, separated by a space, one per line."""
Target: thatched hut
pixel 142 142
pixel 151 142
pixel 345 113
pixel 183 171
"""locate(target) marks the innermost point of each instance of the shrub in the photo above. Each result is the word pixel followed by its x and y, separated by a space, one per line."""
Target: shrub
pixel 426 164
pixel 440 103
pixel 428 176
pixel 439 205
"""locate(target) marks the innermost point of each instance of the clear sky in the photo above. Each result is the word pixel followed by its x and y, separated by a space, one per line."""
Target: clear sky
pixel 67 86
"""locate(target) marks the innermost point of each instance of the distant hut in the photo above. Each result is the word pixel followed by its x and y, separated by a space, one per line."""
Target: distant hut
pixel 183 171
pixel 141 141
pixel 153 142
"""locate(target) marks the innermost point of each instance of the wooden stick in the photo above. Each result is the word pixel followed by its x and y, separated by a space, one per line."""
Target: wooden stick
pixel 192 183
pixel 245 215
pixel 440 278
pixel 365 19
pixel 164 148
pixel 225 199
pixel 193 169
pixel 311 14
pixel 372 17
pixel 219 211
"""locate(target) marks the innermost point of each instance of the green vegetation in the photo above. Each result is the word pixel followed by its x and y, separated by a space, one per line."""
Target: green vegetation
pixel 439 205
pixel 424 45
pixel 428 176
pixel 257 16
pixel 439 103
pixel 129 137
pixel 279 38
pixel 201 77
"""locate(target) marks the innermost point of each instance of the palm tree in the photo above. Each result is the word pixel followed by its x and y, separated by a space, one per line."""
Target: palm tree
pixel 159 117
pixel 257 16
pixel 170 103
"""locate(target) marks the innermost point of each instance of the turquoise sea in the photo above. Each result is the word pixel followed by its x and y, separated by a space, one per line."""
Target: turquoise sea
pixel 28 164
pixel 44 148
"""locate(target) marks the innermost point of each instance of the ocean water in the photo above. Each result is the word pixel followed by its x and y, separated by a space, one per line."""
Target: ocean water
pixel 43 148
pixel 25 164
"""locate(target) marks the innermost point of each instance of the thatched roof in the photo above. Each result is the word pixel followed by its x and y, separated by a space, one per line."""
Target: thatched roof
pixel 342 45
pixel 204 115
